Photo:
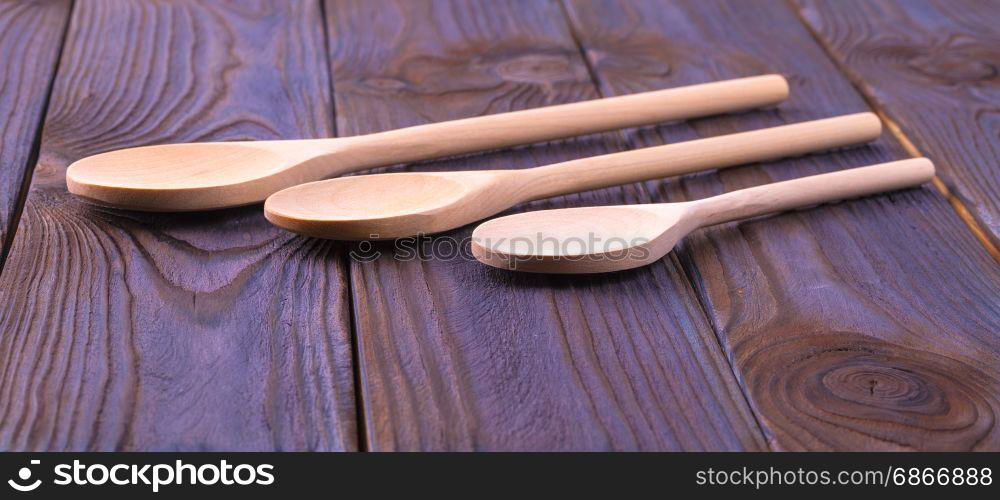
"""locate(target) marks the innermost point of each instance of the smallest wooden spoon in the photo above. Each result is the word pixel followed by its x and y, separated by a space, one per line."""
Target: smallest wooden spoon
pixel 614 238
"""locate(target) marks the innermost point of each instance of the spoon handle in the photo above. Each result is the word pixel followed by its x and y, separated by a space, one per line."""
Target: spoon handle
pixel 702 154
pixel 502 130
pixel 813 190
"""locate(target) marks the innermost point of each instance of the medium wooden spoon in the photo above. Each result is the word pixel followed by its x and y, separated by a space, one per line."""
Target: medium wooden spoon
pixel 199 176
pixel 385 206
pixel 613 238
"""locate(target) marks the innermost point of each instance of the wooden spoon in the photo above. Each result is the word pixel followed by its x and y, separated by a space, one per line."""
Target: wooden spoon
pixel 613 238
pixel 199 176
pixel 385 206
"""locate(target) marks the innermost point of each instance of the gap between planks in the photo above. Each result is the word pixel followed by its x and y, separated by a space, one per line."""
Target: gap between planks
pixel 908 145
pixel 360 423
pixel 36 146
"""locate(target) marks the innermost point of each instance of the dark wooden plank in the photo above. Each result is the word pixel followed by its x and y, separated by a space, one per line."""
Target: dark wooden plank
pixel 454 355
pixel 30 36
pixel 869 324
pixel 930 65
pixel 206 331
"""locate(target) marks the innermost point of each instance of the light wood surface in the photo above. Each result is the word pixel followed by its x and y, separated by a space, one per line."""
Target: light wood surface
pixel 614 238
pixel 200 176
pixel 386 206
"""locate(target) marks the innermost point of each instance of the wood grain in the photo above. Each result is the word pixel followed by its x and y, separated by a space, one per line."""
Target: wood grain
pixel 30 37
pixel 207 331
pixel 456 356
pixel 932 66
pixel 867 325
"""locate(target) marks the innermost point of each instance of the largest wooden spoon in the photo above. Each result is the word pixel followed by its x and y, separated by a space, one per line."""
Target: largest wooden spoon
pixel 199 176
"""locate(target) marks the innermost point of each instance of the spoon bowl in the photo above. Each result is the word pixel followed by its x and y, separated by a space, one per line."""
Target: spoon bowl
pixel 581 240
pixel 184 177
pixel 387 206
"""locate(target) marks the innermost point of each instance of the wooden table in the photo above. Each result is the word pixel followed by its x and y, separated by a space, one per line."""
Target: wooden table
pixel 866 325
